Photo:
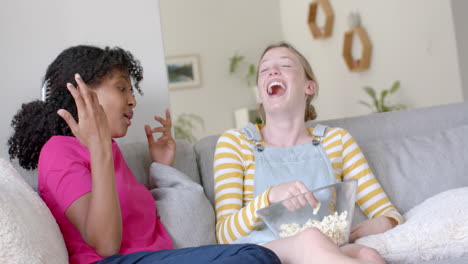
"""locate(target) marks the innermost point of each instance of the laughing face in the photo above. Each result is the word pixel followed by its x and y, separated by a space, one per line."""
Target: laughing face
pixel 115 94
pixel 282 82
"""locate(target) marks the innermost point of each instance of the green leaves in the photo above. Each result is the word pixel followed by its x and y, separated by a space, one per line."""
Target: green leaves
pixel 235 63
pixel 185 124
pixel 370 91
pixel 379 104
pixel 395 87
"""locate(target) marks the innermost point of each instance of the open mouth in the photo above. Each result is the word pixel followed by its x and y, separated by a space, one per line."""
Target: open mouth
pixel 276 88
pixel 129 117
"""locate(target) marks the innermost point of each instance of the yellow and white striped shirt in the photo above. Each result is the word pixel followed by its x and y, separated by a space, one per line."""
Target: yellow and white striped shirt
pixel 234 170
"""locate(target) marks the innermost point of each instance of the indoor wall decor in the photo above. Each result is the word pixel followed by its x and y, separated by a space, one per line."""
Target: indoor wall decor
pixel 317 31
pixel 183 71
pixel 363 62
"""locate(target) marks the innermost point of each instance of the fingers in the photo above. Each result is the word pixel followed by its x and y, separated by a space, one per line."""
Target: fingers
pixel 88 95
pixel 352 237
pixel 301 196
pixel 288 204
pixel 301 199
pixel 84 97
pixel 311 200
pixel 70 121
pixel 164 138
pixel 299 190
pixel 149 134
pixel 356 227
pixel 168 118
pixel 80 104
pixel 295 204
pixel 167 123
pixel 163 130
pixel 301 187
pixel 166 131
pixel 355 233
pixel 163 121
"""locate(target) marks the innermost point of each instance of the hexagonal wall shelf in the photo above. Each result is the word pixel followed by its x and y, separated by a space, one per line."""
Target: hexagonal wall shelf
pixel 357 64
pixel 317 32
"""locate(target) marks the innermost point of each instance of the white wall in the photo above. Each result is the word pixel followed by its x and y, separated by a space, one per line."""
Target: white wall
pixel 33 33
pixel 215 30
pixel 413 41
pixel 459 8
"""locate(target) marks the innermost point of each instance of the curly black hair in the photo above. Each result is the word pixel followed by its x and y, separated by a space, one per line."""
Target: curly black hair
pixel 36 122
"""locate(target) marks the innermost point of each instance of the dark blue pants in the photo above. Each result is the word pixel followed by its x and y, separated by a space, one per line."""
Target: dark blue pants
pixel 226 254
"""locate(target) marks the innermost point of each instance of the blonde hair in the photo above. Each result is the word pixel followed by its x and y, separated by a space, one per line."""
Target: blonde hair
pixel 310 113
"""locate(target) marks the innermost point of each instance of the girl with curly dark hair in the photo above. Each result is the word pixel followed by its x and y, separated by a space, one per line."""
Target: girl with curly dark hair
pixel 104 213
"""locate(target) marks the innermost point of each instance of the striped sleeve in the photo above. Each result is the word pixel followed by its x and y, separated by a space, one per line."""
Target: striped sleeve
pixel 233 177
pixel 353 165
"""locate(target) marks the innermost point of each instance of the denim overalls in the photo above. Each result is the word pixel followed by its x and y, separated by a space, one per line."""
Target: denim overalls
pixel 307 163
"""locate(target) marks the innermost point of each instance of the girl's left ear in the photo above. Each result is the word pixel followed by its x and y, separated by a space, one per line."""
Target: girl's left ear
pixel 311 88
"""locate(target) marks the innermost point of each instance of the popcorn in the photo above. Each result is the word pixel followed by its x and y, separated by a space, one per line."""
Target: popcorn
pixel 317 208
pixel 334 226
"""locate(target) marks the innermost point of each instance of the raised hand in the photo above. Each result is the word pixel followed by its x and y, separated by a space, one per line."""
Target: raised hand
pixel 163 149
pixel 92 128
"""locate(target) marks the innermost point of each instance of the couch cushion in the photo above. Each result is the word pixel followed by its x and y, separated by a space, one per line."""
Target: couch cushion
pixel 435 229
pixel 396 124
pixel 28 231
pixel 414 168
pixel 138 160
pixel 204 150
pixel 182 207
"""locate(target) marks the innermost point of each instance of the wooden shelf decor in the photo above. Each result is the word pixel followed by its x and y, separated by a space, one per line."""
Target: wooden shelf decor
pixel 326 31
pixel 362 63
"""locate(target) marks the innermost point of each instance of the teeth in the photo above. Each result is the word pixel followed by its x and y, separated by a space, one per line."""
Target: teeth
pixel 269 88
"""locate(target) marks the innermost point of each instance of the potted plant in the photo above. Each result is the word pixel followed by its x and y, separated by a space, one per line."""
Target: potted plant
pixel 236 61
pixel 184 126
pixel 379 102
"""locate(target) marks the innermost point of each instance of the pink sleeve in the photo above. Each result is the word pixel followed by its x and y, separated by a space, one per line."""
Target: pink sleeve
pixel 65 172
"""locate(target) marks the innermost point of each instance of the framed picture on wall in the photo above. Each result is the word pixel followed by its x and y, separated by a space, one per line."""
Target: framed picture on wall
pixel 183 71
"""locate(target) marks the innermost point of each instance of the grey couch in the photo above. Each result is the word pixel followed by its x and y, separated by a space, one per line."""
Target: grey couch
pixel 414 154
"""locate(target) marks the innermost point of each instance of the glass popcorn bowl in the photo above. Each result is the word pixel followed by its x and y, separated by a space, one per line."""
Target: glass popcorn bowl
pixel 330 209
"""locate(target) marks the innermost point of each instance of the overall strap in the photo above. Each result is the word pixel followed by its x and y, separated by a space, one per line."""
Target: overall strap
pixel 251 133
pixel 319 132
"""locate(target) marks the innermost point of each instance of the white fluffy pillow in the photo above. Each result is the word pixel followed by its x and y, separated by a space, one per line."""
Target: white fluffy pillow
pixel 435 229
pixel 28 231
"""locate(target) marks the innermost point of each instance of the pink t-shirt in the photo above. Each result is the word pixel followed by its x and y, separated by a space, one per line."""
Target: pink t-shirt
pixel 65 175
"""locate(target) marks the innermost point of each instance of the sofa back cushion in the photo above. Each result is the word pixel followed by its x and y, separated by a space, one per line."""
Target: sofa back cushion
pixel 414 168
pixel 396 124
pixel 204 150
pixel 414 153
pixel 28 231
pixel 138 160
